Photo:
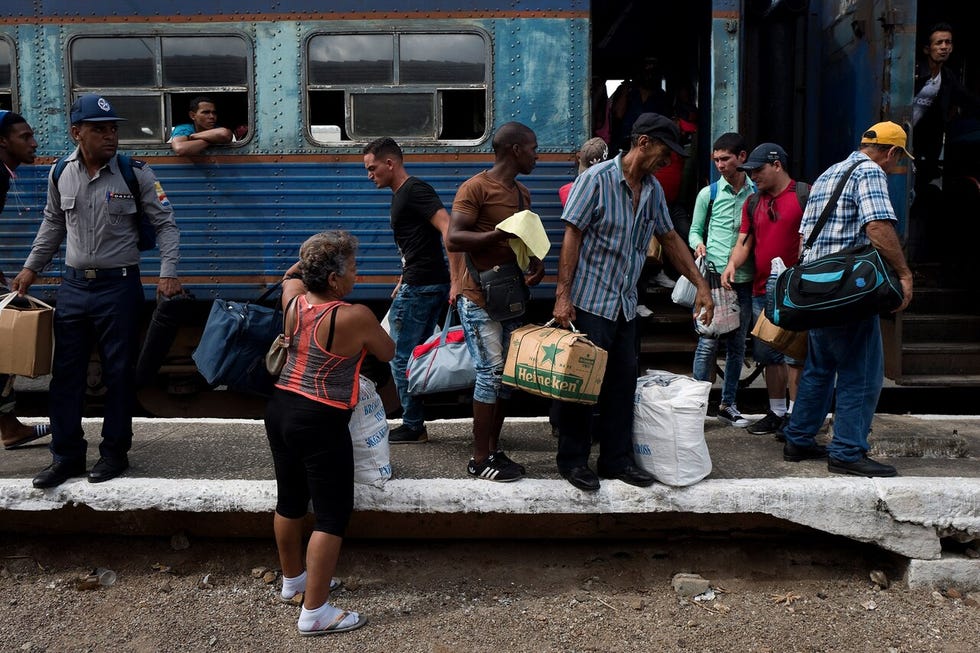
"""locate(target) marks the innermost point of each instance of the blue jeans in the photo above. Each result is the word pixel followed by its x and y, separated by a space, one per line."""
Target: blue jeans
pixel 614 424
pixel 105 312
pixel 706 354
pixel 413 315
pixel 853 354
pixel 487 341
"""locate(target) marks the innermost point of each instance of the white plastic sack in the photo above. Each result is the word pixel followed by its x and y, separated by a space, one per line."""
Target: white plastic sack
pixel 369 435
pixel 668 427
pixel 684 291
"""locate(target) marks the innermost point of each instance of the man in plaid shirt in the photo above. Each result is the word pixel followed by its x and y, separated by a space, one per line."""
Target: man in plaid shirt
pixel 851 353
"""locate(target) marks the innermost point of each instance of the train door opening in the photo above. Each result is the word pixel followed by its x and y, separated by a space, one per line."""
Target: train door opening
pixel 945 138
pixel 656 57
pixel 652 56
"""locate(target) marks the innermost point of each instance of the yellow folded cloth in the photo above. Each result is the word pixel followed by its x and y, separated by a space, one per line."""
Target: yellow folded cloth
pixel 531 238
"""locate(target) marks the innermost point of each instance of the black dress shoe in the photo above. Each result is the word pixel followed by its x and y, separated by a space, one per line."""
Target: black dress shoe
pixel 862 467
pixel 633 475
pixel 794 453
pixel 583 478
pixel 107 468
pixel 58 472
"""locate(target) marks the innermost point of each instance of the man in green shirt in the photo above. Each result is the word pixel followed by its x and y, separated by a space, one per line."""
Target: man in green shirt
pixel 714 230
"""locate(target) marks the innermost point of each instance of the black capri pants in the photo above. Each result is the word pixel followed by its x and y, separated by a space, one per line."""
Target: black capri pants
pixel 313 458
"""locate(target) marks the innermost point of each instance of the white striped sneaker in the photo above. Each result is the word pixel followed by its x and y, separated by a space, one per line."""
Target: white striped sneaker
pixel 494 470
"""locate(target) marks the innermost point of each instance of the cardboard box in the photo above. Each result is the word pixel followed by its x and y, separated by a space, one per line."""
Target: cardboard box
pixel 26 337
pixel 791 343
pixel 555 363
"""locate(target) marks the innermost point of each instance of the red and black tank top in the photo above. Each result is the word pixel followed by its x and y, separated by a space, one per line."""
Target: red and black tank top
pixel 313 371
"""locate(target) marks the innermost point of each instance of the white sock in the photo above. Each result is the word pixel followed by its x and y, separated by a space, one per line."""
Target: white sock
pixel 319 618
pixel 777 406
pixel 791 406
pixel 293 586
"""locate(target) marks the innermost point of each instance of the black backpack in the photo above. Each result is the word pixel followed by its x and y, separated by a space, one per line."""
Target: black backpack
pixel 802 195
pixel 147 232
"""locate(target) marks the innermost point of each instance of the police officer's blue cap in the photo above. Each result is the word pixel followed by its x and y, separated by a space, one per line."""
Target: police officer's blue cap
pixel 92 108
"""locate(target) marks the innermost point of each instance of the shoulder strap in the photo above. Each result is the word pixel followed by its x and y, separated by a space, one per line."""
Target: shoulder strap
pixel 753 202
pixel 59 167
pixel 126 165
pixel 802 194
pixel 333 321
pixel 712 194
pixel 829 208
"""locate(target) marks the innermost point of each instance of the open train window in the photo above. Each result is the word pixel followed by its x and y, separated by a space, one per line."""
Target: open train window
pixel 414 86
pixel 151 80
pixel 7 74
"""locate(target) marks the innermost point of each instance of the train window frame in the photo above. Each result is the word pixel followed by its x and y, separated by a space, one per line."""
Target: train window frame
pixel 349 136
pixel 172 98
pixel 11 90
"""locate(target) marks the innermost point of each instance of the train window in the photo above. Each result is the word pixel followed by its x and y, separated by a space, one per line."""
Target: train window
pixel 6 74
pixel 428 86
pixel 151 80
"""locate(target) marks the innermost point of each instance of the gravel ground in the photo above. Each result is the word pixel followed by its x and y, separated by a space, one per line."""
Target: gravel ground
pixel 801 594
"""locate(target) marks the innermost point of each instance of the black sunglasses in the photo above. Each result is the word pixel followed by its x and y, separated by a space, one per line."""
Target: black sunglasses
pixel 771 210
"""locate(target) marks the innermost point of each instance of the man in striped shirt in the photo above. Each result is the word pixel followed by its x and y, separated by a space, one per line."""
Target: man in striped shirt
pixel 849 358
pixel 613 210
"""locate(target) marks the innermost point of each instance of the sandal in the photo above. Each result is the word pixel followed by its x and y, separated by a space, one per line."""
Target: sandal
pixel 335 625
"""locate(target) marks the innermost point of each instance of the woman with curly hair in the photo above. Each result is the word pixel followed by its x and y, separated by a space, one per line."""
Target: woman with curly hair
pixel 306 421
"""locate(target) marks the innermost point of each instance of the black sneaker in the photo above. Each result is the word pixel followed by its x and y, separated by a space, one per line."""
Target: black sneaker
pixel 407 435
pixel 504 459
pixel 861 467
pixel 780 436
pixel 767 424
pixel 494 470
pixel 730 415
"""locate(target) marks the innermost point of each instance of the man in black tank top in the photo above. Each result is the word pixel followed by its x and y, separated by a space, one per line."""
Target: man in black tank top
pixel 419 222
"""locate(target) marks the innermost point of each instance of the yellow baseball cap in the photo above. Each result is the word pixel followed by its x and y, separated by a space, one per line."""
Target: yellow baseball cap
pixel 886 133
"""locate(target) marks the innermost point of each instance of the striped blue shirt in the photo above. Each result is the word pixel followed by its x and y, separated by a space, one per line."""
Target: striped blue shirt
pixel 614 239
pixel 865 199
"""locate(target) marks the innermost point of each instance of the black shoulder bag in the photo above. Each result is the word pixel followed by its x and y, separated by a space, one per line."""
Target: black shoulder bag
pixel 505 292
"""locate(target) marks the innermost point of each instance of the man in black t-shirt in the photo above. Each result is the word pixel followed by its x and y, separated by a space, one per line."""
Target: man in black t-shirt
pixel 17 146
pixel 419 222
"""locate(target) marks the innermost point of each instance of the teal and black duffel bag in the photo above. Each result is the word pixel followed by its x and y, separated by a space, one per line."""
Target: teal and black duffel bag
pixel 835 289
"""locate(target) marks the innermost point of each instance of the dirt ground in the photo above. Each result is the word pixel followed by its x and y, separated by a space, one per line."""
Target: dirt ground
pixel 797 594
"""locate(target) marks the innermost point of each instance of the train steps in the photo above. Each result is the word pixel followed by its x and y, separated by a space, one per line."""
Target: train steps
pixel 936 341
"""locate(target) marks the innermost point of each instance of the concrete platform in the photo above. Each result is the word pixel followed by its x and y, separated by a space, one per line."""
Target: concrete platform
pixel 217 474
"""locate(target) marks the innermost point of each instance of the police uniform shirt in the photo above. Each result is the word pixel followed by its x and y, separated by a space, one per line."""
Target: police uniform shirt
pixel 98 216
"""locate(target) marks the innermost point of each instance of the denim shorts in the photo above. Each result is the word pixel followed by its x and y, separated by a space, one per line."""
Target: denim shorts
pixel 487 341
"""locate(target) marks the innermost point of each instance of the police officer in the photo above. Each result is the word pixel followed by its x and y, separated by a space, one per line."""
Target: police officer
pixel 101 293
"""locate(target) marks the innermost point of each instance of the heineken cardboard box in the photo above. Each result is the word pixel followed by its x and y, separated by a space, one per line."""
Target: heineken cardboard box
pixel 555 363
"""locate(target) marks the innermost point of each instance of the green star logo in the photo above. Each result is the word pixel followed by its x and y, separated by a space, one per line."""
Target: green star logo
pixel 550 351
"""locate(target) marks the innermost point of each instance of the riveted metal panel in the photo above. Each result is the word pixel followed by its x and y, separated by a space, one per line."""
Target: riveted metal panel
pixel 242 224
pixel 726 62
pixel 115 8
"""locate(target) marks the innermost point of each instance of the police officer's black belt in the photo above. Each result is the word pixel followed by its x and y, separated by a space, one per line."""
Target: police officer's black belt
pixel 101 273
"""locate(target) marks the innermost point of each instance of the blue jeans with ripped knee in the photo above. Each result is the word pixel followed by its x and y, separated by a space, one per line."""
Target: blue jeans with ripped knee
pixel 487 341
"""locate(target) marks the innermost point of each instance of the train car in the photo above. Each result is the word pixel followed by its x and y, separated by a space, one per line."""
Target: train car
pixel 305 86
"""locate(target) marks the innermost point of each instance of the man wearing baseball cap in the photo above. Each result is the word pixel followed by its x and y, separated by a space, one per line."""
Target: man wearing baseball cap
pixel 770 228
pixel 612 212
pixel 851 354
pixel 91 207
